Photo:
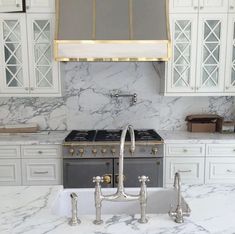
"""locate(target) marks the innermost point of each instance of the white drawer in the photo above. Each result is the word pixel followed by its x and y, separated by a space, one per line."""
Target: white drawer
pixel 220 170
pixel 220 150
pixel 9 151
pixel 10 173
pixel 190 169
pixel 41 171
pixel 41 151
pixel 173 150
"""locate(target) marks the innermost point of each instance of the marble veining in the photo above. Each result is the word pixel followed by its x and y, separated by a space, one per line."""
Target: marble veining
pixel 86 101
pixel 27 210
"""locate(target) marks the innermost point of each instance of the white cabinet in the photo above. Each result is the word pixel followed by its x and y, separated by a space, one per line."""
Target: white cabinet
pixel 220 170
pixel 213 6
pixel 40 6
pixel 220 150
pixel 211 52
pixel 182 68
pixel 27 64
pixel 13 59
pixel 191 169
pixel 230 56
pixel 41 171
pixel 11 5
pixel 231 6
pixel 184 6
pixel 183 150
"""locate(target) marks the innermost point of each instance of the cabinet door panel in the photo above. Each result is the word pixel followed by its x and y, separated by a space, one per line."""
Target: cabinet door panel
pixel 230 60
pixel 11 5
pixel 182 68
pixel 213 6
pixel 40 6
pixel 14 54
pixel 184 6
pixel 43 68
pixel 211 52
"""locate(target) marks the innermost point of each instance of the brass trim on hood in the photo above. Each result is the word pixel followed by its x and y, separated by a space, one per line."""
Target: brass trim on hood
pixel 113 59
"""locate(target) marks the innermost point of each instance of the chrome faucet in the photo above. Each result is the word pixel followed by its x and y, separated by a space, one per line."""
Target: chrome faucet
pixel 120 195
pixel 179 213
pixel 74 220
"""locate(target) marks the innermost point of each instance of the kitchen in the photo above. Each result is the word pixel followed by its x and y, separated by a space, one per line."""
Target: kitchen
pixel 88 95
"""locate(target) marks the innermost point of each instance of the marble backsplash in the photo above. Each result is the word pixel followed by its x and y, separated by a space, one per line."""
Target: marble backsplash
pixel 86 101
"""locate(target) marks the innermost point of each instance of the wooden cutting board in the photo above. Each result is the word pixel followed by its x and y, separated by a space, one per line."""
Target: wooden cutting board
pixel 19 128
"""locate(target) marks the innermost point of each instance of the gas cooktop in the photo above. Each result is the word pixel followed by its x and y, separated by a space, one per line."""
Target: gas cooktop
pixel 111 135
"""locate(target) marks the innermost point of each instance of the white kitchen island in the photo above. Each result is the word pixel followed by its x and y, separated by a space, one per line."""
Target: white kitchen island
pixel 29 210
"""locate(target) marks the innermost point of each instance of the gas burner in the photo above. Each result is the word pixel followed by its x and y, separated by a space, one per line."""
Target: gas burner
pixel 81 136
pixel 110 135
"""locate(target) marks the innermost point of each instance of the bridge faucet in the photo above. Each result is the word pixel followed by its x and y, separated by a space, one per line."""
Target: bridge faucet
pixel 120 195
pixel 179 213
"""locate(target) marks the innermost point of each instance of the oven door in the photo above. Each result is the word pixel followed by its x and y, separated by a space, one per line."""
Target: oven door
pixel 134 167
pixel 78 173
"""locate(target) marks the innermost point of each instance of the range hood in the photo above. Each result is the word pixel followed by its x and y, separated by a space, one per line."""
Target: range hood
pixel 112 30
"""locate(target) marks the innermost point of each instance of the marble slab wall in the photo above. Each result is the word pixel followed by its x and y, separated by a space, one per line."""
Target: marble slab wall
pixel 86 101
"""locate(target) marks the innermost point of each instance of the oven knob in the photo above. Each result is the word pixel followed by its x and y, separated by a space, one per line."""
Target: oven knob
pixel 154 150
pixel 81 152
pixel 113 151
pixel 94 151
pixel 71 151
pixel 103 150
pixel 107 179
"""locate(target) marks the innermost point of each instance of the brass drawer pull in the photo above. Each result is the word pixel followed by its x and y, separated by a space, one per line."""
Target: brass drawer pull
pixel 40 152
pixel 40 172
pixel 230 171
pixel 184 171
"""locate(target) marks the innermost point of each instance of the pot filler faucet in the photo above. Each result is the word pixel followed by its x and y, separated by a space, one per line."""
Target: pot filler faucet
pixel 120 195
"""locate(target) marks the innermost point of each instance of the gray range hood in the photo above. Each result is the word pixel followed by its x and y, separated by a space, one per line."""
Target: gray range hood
pixel 112 30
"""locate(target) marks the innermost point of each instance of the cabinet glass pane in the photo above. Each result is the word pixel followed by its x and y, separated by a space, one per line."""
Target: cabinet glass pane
pixel 233 59
pixel 182 53
pixel 211 53
pixel 12 53
pixel 42 53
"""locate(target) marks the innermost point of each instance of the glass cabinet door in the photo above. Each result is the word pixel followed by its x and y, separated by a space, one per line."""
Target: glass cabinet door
pixel 181 68
pixel 230 61
pixel 14 54
pixel 43 68
pixel 211 53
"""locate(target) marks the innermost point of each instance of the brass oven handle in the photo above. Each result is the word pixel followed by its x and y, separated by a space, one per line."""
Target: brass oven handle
pixel 107 178
pixel 117 177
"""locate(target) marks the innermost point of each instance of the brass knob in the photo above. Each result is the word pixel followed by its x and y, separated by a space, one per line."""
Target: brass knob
pixel 81 151
pixel 40 152
pixel 107 179
pixel 103 150
pixel 71 151
pixel 18 5
pixel 154 150
pixel 231 7
pixel 94 151
pixel 113 151
pixel 185 150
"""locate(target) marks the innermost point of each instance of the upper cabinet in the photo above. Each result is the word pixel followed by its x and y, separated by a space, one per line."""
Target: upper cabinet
pixel 11 5
pixel 199 6
pixel 40 6
pixel 231 6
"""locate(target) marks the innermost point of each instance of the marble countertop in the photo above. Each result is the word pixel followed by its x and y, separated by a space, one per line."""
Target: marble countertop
pixel 28 210
pixel 189 137
pixel 43 137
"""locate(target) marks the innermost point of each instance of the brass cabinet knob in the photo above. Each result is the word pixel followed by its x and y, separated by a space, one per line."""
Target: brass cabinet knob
pixel 154 150
pixel 71 151
pixel 113 151
pixel 18 5
pixel 94 151
pixel 107 179
pixel 231 7
pixel 40 152
pixel 81 151
pixel 185 150
pixel 103 150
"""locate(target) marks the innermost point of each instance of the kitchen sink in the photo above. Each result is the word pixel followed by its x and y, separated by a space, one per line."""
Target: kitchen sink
pixel 159 202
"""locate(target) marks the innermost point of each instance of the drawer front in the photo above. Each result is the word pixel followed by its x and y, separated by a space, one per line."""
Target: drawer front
pixel 190 169
pixel 41 151
pixel 220 150
pixel 9 151
pixel 41 172
pixel 173 150
pixel 220 170
pixel 10 173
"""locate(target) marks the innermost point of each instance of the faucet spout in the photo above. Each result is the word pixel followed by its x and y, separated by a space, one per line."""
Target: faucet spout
pixel 121 156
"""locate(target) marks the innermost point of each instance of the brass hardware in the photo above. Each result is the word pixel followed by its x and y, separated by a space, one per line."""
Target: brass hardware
pixel 154 150
pixel 31 89
pixel 71 151
pixel 117 178
pixel 27 89
pixel 231 7
pixel 107 178
pixel 40 152
pixel 113 151
pixel 184 171
pixel 27 7
pixel 195 8
pixel 103 150
pixel 185 150
pixel 18 5
pixel 201 7
pixel 227 87
pixel 94 151
pixel 234 150
pixel 81 151
pixel 40 172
